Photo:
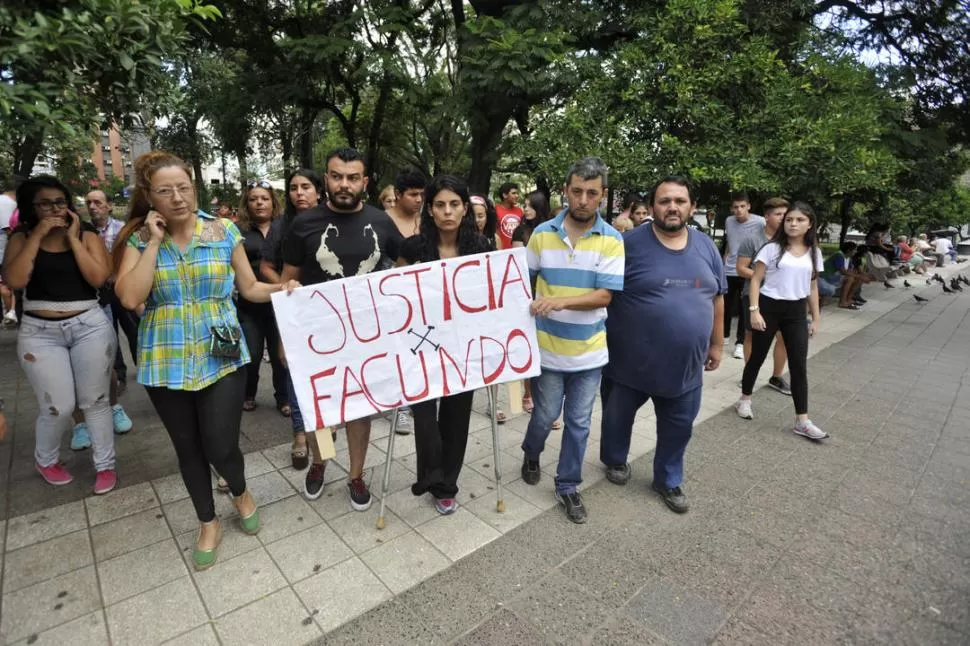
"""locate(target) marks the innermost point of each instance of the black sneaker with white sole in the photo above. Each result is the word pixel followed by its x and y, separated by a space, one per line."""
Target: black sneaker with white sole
pixel 360 498
pixel 779 384
pixel 618 474
pixel 313 485
pixel 573 503
pixel 530 471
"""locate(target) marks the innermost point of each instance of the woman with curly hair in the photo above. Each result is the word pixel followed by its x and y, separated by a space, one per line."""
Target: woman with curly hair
pixel 447 230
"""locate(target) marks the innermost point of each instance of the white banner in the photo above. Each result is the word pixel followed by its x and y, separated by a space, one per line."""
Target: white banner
pixel 362 345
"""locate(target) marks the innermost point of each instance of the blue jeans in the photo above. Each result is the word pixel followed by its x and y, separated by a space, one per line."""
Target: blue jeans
pixel 68 363
pixel 675 423
pixel 829 287
pixel 296 416
pixel 548 391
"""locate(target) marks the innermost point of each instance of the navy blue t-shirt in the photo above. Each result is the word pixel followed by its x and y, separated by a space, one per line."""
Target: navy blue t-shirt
pixel 659 327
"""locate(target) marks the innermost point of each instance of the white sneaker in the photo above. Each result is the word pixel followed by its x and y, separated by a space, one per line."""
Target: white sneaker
pixel 809 430
pixel 405 423
pixel 743 406
pixel 738 351
pixel 10 318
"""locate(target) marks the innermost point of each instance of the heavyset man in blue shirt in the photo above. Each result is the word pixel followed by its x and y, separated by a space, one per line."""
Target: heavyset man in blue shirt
pixel 663 330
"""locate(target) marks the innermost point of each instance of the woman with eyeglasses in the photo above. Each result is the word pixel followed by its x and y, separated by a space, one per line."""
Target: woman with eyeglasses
pixel 66 345
pixel 259 208
pixel 183 263
pixel 304 190
pixel 447 230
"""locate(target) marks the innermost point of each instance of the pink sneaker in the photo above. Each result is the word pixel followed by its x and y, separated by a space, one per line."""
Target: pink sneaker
pixel 105 481
pixel 55 474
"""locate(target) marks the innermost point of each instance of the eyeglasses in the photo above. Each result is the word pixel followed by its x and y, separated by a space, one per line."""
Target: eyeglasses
pixel 259 183
pixel 47 206
pixel 168 192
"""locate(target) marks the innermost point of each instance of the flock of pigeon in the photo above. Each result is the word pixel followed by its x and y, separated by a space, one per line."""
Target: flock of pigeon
pixel 954 287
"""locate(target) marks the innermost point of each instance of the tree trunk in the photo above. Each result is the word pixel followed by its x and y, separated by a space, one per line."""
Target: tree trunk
pixel 845 212
pixel 307 117
pixel 286 144
pixel 27 151
pixel 243 170
pixel 484 151
pixel 374 135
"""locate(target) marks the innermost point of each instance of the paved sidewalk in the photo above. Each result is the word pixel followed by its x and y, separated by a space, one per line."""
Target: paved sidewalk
pixel 112 569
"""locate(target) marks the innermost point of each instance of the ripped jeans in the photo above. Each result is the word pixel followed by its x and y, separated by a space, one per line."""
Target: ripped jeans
pixel 67 362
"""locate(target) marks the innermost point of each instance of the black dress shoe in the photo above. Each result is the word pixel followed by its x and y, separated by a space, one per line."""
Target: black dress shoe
pixel 530 471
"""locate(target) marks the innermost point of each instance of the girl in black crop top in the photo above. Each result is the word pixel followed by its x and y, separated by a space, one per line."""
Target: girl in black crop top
pixel 66 344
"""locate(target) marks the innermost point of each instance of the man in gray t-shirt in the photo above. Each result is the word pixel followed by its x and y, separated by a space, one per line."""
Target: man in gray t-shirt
pixel 774 210
pixel 739 225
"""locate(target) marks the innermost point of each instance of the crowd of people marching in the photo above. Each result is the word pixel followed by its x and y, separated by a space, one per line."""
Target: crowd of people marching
pixel 191 290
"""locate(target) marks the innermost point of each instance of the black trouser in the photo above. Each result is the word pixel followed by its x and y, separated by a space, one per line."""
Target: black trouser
pixel 204 427
pixel 128 321
pixel 440 438
pixel 259 326
pixel 733 306
pixel 789 318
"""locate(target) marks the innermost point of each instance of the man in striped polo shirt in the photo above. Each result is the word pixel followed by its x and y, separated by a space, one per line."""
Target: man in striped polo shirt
pixel 576 263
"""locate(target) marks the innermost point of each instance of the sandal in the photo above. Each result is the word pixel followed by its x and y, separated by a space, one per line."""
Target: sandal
pixel 850 306
pixel 556 425
pixel 527 404
pixel 249 405
pixel 284 409
pixel 299 456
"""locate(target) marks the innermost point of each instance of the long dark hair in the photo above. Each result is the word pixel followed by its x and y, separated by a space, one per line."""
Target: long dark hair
pixel 491 217
pixel 245 222
pixel 781 238
pixel 470 241
pixel 26 193
pixel 540 205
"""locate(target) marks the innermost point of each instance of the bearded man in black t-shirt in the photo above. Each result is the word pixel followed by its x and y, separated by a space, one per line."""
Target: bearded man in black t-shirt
pixel 342 238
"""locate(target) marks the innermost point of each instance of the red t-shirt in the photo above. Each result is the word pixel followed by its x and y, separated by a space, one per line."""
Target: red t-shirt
pixel 508 220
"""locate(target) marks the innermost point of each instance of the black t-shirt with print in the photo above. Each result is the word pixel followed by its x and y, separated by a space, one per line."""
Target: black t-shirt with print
pixel 327 245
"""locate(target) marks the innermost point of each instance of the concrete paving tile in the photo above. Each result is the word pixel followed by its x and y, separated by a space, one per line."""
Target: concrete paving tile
pixel 719 581
pixel 45 524
pixel 181 514
pixel 542 495
pixel 201 636
pixel 517 511
pixel 138 620
pixel 621 631
pixel 785 620
pixel 43 561
pixel 156 565
pixel 341 593
pixel 413 510
pixel 237 581
pixel 503 627
pixel 269 487
pixel 405 561
pixel 559 608
pixel 120 502
pixel 257 464
pixel 448 589
pixel 360 533
pixel 609 576
pixel 308 552
pixel 332 503
pixel 49 604
pixel 738 632
pixel 279 619
pixel 473 485
pixel 88 630
pixel 391 624
pixel 130 533
pixel 285 518
pixel 234 542
pixel 458 534
pixel 170 488
pixel 675 613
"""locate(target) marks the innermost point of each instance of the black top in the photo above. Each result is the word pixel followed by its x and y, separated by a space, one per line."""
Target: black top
pixel 270 249
pixel 56 276
pixel 523 232
pixel 415 249
pixel 326 245
pixel 253 241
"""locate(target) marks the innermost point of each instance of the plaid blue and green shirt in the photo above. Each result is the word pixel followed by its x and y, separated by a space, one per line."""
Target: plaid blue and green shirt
pixel 191 293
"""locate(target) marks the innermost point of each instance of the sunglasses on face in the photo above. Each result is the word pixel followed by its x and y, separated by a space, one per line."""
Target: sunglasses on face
pixel 259 183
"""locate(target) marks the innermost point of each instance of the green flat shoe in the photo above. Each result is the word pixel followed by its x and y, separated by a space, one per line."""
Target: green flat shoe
pixel 250 524
pixel 203 559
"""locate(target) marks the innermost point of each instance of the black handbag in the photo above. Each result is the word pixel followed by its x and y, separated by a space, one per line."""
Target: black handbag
pixel 225 341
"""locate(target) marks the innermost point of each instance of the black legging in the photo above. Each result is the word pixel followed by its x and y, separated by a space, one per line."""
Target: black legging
pixel 440 437
pixel 259 327
pixel 733 304
pixel 204 427
pixel 789 318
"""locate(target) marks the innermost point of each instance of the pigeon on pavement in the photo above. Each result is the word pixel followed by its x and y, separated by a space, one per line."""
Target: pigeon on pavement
pixel 920 299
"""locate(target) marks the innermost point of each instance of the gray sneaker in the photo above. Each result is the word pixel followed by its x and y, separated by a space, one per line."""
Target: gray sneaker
pixel 809 430
pixel 674 498
pixel 618 474
pixel 575 509
pixel 405 423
